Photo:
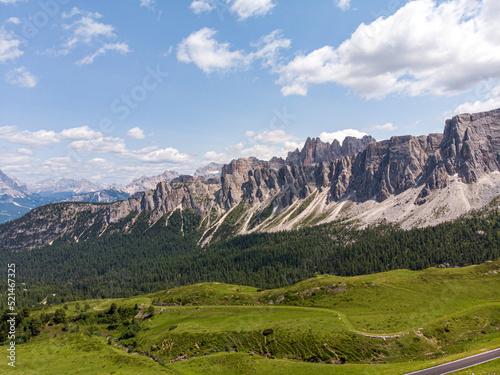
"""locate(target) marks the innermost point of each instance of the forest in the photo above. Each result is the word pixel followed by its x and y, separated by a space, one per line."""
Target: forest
pixel 143 261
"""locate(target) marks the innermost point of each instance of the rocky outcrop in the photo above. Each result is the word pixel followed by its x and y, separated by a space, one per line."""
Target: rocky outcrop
pixel 470 148
pixel 316 151
pixel 183 192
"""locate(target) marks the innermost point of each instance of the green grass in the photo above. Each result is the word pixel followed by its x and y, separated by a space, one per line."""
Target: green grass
pixel 438 315
pixel 79 354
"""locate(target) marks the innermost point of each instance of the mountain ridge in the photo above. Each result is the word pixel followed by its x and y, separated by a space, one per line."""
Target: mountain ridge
pixel 406 180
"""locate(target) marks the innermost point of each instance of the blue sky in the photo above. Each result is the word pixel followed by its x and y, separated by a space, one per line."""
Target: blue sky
pixel 112 90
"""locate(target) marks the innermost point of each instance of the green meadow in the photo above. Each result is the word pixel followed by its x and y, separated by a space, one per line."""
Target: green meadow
pixel 387 323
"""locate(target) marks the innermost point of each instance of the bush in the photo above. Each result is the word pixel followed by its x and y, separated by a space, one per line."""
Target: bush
pixel 267 331
pixel 131 331
pixel 59 316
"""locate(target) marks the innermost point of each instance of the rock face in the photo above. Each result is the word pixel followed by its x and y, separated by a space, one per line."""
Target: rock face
pixel 415 181
pixel 182 193
pixel 470 148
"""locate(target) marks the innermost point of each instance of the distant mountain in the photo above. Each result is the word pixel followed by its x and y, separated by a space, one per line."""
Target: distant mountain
pixel 10 187
pixel 148 183
pixel 64 185
pixel 212 170
pixel 118 193
pixel 15 199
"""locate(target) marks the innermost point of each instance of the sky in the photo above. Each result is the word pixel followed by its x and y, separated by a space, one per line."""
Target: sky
pixel 112 90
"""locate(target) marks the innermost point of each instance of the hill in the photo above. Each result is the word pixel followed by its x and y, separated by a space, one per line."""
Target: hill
pixel 388 323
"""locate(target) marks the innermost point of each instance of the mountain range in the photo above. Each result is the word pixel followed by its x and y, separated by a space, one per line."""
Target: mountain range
pixel 16 199
pixel 414 181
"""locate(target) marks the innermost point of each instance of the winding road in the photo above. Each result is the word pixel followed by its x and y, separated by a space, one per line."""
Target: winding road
pixel 461 364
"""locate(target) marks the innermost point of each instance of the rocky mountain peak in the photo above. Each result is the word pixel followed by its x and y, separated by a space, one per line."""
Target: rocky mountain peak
pixel 9 187
pixel 315 151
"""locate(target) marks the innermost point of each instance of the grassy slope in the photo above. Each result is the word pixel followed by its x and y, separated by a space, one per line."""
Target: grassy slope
pixel 452 310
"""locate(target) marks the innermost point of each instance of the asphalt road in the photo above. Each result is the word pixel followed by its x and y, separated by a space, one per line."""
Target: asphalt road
pixel 448 368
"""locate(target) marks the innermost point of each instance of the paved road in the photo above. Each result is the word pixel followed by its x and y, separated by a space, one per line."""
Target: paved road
pixel 448 368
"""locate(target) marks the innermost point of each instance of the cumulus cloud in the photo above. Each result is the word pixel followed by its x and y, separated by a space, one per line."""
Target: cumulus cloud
pixel 42 138
pixel 250 8
pixel 39 138
pixel 202 49
pixel 424 48
pixel 492 101
pixel 264 144
pixel 21 77
pixel 212 156
pixel 11 1
pixel 117 147
pixel 136 133
pixel 82 132
pixel 209 55
pixel 341 134
pixel 9 46
pixel 202 6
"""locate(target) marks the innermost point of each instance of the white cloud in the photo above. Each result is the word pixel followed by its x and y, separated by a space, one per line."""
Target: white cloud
pixel 14 20
pixel 388 127
pixel 243 9
pixel 21 77
pixel 88 31
pixel 42 138
pixel 100 145
pixel 424 48
pixel 25 151
pixel 202 6
pixel 136 133
pixel 269 47
pixel 11 1
pixel 148 3
pixel 250 8
pixel 491 102
pixel 341 134
pixel 117 147
pixel 82 132
pixel 9 46
pixel 118 47
pixel 343 4
pixel 37 139
pixel 168 154
pixel 57 162
pixel 274 137
pixel 209 55
pixel 264 145
pixel 212 156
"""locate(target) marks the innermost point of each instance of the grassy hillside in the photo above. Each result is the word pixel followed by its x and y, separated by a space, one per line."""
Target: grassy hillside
pixel 387 323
